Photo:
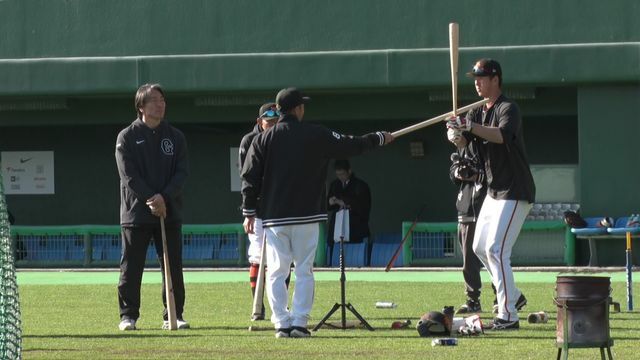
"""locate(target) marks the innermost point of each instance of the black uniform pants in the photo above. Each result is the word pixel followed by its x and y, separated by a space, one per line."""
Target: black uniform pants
pixel 135 241
pixel 471 265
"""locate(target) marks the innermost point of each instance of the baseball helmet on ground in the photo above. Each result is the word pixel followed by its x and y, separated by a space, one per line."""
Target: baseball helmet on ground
pixel 433 323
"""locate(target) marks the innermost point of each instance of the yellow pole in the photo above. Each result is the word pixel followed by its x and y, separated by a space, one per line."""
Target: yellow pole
pixel 628 240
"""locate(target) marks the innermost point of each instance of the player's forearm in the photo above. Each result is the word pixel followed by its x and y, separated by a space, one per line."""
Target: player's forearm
pixel 491 134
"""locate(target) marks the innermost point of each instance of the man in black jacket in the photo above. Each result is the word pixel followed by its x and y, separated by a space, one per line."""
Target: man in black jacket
pixel 348 191
pixel 467 171
pixel 268 115
pixel 286 168
pixel 152 163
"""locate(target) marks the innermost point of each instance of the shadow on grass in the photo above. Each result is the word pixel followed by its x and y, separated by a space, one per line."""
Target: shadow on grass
pixel 49 350
pixel 137 334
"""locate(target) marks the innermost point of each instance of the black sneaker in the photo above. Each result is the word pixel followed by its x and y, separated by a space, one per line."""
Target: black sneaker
pixel 499 324
pixel 283 333
pixel 257 317
pixel 522 301
pixel 300 332
pixel 472 306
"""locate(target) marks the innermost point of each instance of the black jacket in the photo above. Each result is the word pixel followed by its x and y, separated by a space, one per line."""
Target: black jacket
pixel 245 143
pixel 286 167
pixel 471 193
pixel 357 196
pixel 150 161
pixel 506 164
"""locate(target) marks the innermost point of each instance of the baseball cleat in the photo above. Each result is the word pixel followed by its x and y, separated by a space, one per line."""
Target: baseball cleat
pixel 522 301
pixel 127 324
pixel 283 333
pixel 472 306
pixel 181 324
pixel 499 324
pixel 299 332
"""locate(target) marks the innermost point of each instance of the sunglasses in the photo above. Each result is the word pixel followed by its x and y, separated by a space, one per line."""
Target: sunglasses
pixel 270 113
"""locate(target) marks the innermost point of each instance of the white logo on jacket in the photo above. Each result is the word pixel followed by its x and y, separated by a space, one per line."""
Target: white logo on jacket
pixel 336 135
pixel 167 146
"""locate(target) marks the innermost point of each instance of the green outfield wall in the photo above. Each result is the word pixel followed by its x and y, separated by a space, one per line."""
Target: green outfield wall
pixel 69 70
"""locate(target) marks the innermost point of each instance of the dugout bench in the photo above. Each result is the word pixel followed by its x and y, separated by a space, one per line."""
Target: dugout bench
pixel 614 238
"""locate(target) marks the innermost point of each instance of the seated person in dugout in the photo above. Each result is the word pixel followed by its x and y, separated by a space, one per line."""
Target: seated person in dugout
pixel 349 192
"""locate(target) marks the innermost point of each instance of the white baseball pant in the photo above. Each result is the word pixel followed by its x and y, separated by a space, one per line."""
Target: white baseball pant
pixel 255 242
pixel 497 230
pixel 285 244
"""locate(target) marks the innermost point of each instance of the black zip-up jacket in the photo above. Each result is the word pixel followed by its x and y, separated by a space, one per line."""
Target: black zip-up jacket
pixel 471 193
pixel 506 164
pixel 357 196
pixel 150 161
pixel 245 143
pixel 286 167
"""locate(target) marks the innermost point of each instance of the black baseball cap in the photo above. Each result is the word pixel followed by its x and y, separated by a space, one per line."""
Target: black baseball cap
pixel 486 67
pixel 265 108
pixel 289 98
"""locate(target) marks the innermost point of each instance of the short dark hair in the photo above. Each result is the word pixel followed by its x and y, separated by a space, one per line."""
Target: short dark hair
pixel 143 94
pixel 342 164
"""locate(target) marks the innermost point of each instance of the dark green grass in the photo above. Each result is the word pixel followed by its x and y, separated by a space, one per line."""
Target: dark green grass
pixel 80 322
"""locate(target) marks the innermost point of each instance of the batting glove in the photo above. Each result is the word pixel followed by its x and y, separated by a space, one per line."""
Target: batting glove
pixel 460 123
pixel 454 135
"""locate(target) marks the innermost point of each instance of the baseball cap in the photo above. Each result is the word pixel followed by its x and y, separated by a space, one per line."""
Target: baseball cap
pixel 486 67
pixel 268 110
pixel 289 98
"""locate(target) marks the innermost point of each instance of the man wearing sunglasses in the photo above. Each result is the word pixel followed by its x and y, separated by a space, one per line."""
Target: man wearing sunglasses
pixel 511 191
pixel 267 117
pixel 285 170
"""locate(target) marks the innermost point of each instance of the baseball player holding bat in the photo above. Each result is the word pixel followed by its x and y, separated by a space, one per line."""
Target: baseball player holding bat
pixel 151 156
pixel 268 115
pixel 286 167
pixel 511 190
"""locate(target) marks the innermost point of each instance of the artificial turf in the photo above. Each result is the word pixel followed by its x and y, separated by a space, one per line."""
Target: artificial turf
pixel 78 320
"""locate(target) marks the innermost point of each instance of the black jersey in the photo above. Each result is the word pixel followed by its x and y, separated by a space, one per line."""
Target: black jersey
pixel 150 161
pixel 506 165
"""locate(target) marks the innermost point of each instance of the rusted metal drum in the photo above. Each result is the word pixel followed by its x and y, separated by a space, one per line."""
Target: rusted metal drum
pixel 583 307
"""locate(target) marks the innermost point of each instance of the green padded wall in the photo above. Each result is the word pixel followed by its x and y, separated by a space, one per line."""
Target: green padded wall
pixel 608 139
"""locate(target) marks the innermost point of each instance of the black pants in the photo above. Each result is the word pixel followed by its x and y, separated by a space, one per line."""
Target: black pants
pixel 471 265
pixel 135 241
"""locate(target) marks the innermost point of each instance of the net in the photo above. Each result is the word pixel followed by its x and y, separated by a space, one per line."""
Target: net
pixel 10 333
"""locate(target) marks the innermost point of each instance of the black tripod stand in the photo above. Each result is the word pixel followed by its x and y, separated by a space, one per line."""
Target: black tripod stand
pixel 343 305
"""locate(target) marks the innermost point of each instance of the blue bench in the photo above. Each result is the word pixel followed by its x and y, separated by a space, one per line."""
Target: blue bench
pixel 381 253
pixel 594 232
pixel 355 254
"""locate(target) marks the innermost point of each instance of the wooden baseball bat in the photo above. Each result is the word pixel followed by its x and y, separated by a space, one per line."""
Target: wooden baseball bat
pixel 168 283
pixel 437 119
pixel 629 273
pixel 406 236
pixel 453 54
pixel 259 294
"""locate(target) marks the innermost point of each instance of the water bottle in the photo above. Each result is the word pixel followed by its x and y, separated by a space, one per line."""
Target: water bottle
pixel 386 305
pixel 444 342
